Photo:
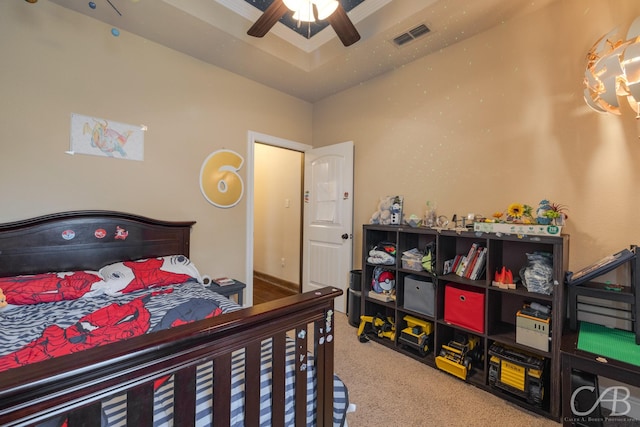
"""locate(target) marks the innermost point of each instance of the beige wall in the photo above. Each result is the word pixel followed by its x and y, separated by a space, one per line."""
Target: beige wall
pixel 499 119
pixel 55 62
pixel 277 212
pixel 486 122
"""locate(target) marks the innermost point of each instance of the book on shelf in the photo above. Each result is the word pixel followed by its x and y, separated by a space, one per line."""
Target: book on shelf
pixel 466 267
pixel 473 262
pixel 448 266
pixel 456 263
pixel 469 258
pixel 223 281
pixel 461 266
pixel 479 265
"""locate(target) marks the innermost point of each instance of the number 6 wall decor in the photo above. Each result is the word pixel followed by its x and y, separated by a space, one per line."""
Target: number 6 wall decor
pixel 220 183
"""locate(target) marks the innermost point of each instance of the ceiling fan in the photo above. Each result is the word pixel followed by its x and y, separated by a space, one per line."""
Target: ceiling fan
pixel 308 10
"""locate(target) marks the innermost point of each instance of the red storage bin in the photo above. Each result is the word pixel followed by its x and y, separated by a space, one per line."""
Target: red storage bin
pixel 464 306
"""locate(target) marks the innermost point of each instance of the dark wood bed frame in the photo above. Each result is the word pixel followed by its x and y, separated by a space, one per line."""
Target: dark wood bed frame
pixel 75 385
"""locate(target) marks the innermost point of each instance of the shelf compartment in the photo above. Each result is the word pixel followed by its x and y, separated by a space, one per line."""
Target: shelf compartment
pixel 521 375
pixel 460 353
pixel 451 247
pixel 410 238
pixel 367 283
pixel 374 306
pixel 417 294
pixel 415 336
pixel 505 333
pixel 502 317
pixel 513 255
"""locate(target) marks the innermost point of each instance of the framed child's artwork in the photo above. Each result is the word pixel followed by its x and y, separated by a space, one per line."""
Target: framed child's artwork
pixel 102 137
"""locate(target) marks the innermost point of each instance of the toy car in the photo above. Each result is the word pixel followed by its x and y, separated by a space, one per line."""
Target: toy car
pixel 383 327
pixel 517 372
pixel 456 357
pixel 417 334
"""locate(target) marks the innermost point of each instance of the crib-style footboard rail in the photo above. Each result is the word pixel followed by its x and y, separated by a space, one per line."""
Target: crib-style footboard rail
pixel 297 331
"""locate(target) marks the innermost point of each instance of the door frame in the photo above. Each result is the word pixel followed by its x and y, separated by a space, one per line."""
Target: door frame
pixel 252 139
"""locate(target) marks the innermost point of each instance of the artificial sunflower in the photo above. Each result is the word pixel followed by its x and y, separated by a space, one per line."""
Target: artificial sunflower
pixel 516 210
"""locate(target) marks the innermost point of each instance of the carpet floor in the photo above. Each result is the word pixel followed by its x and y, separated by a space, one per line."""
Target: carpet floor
pixel 390 389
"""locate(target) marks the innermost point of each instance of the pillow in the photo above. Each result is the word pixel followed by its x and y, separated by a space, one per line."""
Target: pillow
pixel 128 276
pixel 49 287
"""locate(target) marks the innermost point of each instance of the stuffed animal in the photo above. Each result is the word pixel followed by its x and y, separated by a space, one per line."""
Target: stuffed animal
pixel 3 299
pixel 389 211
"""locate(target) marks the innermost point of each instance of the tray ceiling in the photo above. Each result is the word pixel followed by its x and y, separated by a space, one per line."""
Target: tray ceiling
pixel 312 68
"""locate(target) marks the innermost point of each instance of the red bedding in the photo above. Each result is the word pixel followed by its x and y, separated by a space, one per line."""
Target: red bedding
pixel 42 331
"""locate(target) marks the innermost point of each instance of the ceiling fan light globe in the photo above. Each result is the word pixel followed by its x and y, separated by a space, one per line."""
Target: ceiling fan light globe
pixel 294 5
pixel 325 8
pixel 304 13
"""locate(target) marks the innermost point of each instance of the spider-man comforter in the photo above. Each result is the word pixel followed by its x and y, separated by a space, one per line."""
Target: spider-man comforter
pixel 36 332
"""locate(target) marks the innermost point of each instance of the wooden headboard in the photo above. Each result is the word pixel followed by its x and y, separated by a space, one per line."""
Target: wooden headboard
pixel 86 240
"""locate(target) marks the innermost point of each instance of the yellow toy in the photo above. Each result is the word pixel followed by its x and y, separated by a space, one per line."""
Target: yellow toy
pixel 383 327
pixel 3 299
pixel 417 334
pixel 456 357
pixel 517 372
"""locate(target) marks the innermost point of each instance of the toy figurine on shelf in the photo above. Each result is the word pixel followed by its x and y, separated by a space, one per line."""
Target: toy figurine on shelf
pixel 396 211
pixel 542 212
pixel 504 279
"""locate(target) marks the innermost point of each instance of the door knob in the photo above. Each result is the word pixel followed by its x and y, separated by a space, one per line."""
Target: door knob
pixel 345 236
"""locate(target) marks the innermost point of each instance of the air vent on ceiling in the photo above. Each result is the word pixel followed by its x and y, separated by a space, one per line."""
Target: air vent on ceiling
pixel 411 35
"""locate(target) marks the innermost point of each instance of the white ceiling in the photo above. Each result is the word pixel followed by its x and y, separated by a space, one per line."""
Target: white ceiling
pixel 214 31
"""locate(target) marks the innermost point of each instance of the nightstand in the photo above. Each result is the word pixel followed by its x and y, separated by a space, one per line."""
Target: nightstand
pixel 229 290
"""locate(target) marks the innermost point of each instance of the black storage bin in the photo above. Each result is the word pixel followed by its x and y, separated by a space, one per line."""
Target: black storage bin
pixel 353 307
pixel 355 280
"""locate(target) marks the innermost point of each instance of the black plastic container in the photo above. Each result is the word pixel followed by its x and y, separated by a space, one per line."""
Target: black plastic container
pixel 353 307
pixel 355 280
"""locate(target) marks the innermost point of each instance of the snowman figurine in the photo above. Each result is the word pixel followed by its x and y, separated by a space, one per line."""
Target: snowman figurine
pixel 543 208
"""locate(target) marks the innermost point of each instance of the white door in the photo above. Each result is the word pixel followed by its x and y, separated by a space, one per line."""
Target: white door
pixel 328 219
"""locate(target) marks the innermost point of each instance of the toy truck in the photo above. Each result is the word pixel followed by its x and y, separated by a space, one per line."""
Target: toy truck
pixel 382 326
pixel 456 357
pixel 517 372
pixel 417 334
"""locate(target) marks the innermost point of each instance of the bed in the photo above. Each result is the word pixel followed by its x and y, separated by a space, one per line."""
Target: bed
pixel 225 365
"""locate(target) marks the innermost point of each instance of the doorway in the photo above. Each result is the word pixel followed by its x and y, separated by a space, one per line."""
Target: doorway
pixel 277 221
pixel 285 151
pixel 326 212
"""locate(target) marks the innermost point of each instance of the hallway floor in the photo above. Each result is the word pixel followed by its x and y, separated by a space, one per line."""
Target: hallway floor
pixel 264 291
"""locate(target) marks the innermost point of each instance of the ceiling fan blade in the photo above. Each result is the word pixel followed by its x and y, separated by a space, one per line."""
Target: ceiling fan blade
pixel 343 26
pixel 268 19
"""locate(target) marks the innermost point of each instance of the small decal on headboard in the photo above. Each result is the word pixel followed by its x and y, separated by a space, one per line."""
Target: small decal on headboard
pixel 100 233
pixel 121 233
pixel 68 234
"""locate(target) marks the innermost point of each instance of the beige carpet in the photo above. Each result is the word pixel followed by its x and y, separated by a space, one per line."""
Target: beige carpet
pixel 390 389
